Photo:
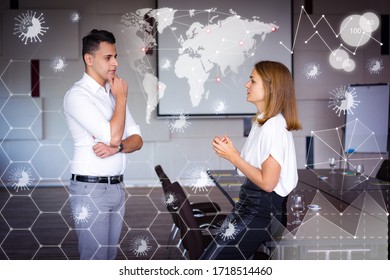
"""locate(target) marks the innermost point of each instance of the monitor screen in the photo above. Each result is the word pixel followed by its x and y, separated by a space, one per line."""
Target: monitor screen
pixel 207 50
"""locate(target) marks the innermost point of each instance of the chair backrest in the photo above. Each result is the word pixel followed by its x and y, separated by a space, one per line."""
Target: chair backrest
pixel 383 172
pixel 173 206
pixel 190 232
pixel 165 181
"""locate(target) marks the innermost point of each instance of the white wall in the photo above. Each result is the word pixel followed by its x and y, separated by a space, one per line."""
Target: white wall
pixel 46 145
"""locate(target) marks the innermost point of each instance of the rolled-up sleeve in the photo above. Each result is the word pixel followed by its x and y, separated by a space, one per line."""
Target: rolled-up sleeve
pixel 131 126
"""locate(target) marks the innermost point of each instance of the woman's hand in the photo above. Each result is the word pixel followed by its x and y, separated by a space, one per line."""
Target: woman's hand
pixel 223 147
pixel 265 178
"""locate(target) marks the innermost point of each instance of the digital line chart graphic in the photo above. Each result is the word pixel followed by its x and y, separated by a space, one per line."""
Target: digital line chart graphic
pixel 355 31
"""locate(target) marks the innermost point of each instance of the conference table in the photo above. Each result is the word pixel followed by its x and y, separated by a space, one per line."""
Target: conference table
pixel 346 216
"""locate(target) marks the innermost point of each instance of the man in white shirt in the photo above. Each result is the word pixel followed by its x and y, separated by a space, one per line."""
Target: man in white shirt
pixel 103 131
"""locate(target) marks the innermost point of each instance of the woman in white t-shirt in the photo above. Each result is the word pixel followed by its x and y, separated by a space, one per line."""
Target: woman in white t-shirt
pixel 267 161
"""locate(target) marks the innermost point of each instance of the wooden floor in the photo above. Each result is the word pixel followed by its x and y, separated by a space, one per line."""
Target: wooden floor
pixel 37 224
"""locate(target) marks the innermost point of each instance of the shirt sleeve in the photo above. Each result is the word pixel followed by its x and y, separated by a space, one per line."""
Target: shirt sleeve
pixel 131 126
pixel 273 143
pixel 80 106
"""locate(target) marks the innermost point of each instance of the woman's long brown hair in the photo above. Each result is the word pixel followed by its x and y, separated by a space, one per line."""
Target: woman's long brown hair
pixel 279 93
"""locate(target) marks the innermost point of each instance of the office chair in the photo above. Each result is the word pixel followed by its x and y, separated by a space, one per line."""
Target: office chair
pixel 383 172
pixel 200 210
pixel 193 238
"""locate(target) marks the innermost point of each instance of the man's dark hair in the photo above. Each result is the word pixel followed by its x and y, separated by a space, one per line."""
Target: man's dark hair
pixel 92 40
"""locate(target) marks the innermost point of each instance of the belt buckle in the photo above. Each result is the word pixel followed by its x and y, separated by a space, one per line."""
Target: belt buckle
pixel 113 179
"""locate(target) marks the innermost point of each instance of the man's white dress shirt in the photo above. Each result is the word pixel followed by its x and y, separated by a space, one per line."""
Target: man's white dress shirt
pixel 88 108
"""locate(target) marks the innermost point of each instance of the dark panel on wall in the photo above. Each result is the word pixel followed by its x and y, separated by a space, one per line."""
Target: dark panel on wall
pixel 310 151
pixel 309 6
pixel 35 78
pixel 14 4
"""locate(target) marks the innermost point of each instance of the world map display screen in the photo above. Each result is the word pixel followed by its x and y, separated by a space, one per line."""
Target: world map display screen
pixel 206 51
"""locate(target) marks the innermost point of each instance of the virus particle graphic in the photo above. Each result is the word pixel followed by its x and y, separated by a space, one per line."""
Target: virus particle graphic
pixel 29 27
pixel 75 17
pixel 21 179
pixel 311 70
pixel 170 200
pixel 220 107
pixel 58 64
pixel 140 246
pixel 166 64
pixel 178 122
pixel 81 213
pixel 375 65
pixel 199 179
pixel 228 229
pixel 343 100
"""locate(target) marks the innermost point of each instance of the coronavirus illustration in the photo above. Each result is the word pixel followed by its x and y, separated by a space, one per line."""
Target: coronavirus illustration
pixel 21 179
pixel 166 64
pixel 343 100
pixel 29 27
pixel 374 65
pixel 178 121
pixel 220 107
pixel 311 70
pixel 58 64
pixel 75 17
pixel 199 179
pixel 169 199
pixel 140 246
pixel 228 229
pixel 81 213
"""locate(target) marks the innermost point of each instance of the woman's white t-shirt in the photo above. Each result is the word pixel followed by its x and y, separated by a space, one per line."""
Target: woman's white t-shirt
pixel 272 138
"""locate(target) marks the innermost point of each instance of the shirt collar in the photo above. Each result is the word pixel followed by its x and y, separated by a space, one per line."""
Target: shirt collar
pixel 95 86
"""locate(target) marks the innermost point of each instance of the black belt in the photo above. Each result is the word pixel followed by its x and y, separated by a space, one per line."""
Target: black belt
pixel 97 179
